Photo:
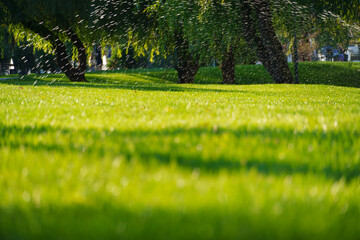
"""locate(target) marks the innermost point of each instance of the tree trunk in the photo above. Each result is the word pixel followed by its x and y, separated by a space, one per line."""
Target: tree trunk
pixel 62 60
pixel 62 57
pixel 82 56
pixel 187 72
pixel 228 67
pixel 260 34
pixel 186 65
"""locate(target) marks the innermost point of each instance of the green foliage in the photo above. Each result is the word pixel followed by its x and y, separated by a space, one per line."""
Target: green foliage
pixel 28 58
pixel 5 44
pixel 24 58
pixel 326 28
pixel 346 9
pixel 132 156
pixel 46 61
pixel 125 60
pixel 24 17
pixel 168 17
pixel 22 35
pixel 118 23
pixel 244 54
pixel 219 28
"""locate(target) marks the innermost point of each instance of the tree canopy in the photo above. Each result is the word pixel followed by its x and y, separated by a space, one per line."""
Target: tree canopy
pixel 56 22
pixel 194 32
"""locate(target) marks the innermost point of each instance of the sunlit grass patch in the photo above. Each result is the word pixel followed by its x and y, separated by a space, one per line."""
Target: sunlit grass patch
pixel 131 155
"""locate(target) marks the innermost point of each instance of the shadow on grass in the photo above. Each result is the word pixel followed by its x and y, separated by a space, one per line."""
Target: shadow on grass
pixel 128 85
pixel 105 219
pixel 159 146
pixel 104 215
pixel 321 73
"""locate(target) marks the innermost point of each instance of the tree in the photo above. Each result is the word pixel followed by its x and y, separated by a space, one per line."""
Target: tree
pixel 252 21
pixel 196 33
pixel 315 26
pixel 219 31
pixel 56 22
pixel 170 35
pixel 172 31
pixel 151 27
pixel 260 33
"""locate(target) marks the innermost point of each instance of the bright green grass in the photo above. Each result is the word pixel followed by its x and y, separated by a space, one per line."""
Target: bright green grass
pixel 131 155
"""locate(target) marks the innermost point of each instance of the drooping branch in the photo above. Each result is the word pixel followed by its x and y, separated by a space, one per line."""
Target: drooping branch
pixel 62 57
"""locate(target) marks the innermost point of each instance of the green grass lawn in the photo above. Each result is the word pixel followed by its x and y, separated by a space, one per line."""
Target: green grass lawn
pixel 131 155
